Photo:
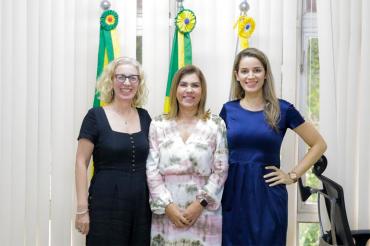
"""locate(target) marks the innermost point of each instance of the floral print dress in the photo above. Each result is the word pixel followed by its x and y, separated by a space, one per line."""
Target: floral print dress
pixel 181 171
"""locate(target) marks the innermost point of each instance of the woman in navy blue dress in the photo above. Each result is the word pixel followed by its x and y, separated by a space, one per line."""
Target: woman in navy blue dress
pixel 254 202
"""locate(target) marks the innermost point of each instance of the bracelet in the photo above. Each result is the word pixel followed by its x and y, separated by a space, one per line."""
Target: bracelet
pixel 82 212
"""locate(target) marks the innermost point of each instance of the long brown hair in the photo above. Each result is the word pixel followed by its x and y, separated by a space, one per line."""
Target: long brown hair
pixel 174 105
pixel 272 108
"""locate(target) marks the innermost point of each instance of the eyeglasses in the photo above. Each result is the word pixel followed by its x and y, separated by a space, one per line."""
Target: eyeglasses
pixel 133 79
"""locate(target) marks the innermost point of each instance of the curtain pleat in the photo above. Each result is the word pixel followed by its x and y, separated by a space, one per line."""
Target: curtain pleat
pixel 344 111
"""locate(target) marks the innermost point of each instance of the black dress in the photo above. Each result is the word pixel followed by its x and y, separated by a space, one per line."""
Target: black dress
pixel 118 194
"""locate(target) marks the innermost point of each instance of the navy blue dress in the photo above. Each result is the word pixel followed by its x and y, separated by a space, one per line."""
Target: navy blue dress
pixel 253 212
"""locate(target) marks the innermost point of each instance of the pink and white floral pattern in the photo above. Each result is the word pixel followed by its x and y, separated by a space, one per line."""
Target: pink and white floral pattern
pixel 181 172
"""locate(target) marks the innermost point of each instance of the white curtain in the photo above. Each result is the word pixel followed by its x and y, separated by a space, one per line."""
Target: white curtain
pixel 48 54
pixel 344 38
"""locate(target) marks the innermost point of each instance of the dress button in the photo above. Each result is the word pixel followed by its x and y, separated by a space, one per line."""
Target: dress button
pixel 133 165
pixel 133 161
pixel 133 169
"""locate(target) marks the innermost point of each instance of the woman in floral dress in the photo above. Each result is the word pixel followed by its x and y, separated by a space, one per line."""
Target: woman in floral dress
pixel 187 166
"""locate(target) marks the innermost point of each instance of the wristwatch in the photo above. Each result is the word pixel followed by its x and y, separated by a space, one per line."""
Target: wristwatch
pixel 204 203
pixel 293 176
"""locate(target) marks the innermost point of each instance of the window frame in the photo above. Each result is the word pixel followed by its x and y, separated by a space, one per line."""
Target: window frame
pixel 307 212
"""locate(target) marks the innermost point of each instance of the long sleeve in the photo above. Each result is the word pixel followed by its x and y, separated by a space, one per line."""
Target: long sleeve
pixel 213 189
pixel 160 196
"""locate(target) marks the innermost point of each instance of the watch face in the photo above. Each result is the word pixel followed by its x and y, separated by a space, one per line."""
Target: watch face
pixel 204 203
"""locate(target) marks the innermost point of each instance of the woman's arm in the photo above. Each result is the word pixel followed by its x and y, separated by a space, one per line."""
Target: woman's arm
pixel 213 189
pixel 83 156
pixel 160 196
pixel 317 147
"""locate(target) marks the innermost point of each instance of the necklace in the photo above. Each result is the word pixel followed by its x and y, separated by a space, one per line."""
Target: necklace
pixel 126 118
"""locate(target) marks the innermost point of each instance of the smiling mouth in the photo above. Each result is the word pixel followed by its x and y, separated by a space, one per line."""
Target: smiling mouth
pixel 188 98
pixel 251 83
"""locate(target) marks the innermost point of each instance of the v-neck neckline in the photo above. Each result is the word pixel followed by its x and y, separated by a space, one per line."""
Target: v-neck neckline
pixel 185 142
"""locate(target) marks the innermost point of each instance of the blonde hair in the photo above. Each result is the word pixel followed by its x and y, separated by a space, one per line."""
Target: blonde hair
pixel 272 108
pixel 174 105
pixel 105 81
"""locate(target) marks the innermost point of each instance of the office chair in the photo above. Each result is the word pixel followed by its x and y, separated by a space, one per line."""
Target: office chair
pixel 340 233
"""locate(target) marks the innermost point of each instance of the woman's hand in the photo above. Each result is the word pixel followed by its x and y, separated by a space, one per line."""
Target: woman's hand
pixel 175 216
pixel 277 176
pixel 193 211
pixel 82 223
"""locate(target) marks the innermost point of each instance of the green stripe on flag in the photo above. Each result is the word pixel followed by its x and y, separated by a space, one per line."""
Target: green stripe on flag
pixel 105 46
pixel 187 49
pixel 109 45
pixel 173 64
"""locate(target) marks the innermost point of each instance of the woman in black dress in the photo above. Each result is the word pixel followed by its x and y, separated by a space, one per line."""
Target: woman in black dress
pixel 115 210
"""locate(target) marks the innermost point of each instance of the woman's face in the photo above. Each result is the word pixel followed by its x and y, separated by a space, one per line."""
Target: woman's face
pixel 251 75
pixel 189 91
pixel 125 82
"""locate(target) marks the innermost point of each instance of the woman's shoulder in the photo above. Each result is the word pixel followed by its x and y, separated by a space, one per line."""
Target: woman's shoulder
pixel 161 120
pixel 216 122
pixel 95 109
pixel 284 104
pixel 143 112
pixel 232 103
pixel 216 119
pixel 94 112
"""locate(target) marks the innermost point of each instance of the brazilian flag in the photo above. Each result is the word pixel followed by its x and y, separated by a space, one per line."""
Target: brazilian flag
pixel 181 53
pixel 108 45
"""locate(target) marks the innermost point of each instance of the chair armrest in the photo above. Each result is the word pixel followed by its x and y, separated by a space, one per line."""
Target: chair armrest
pixel 361 236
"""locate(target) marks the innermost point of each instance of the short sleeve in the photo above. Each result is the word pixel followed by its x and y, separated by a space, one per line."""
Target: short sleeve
pixel 89 129
pixel 223 113
pixel 293 117
pixel 145 117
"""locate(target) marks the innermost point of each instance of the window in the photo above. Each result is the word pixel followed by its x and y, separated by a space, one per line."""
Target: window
pixel 308 227
pixel 308 234
pixel 139 31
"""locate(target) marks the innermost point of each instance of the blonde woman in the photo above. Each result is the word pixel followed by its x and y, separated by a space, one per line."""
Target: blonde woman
pixel 115 209
pixel 254 202
pixel 187 166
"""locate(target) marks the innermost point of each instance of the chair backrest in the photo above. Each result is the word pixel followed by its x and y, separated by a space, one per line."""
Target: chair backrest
pixel 335 191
